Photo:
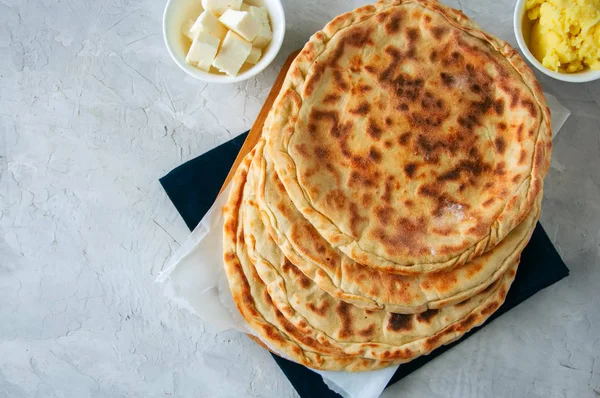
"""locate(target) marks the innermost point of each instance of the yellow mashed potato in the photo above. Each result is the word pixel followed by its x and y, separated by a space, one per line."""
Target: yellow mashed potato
pixel 565 34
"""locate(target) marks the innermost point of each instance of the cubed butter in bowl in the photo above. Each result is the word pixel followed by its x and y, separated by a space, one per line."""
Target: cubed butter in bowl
pixel 219 7
pixel 206 22
pixel 561 38
pixel 233 54
pixel 240 22
pixel 203 51
pixel 247 35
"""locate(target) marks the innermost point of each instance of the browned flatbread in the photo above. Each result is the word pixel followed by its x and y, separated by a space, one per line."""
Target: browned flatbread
pixel 253 300
pixel 361 285
pixel 347 337
pixel 412 140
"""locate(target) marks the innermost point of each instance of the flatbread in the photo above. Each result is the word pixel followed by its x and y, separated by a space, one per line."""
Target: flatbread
pixel 361 285
pixel 253 300
pixel 412 140
pixel 386 338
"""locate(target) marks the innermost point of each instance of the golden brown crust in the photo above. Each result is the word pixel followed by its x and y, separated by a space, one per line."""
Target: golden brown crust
pixel 413 142
pixel 297 339
pixel 364 286
pixel 255 306
pixel 407 164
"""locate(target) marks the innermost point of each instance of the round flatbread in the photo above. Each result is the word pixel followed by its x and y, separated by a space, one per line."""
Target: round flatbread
pixel 341 336
pixel 410 139
pixel 364 286
pixel 254 303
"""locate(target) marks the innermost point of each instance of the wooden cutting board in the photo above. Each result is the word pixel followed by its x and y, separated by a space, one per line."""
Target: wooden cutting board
pixel 256 130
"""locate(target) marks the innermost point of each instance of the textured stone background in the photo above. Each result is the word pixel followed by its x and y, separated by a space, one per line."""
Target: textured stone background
pixel 93 112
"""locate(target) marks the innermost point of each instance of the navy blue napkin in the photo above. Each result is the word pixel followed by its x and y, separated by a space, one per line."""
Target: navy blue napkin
pixel 193 187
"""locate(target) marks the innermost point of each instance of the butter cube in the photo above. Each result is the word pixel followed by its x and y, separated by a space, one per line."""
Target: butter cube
pixel 203 50
pixel 241 22
pixel 218 7
pixel 208 23
pixel 264 35
pixel 245 7
pixel 254 55
pixel 186 29
pixel 261 14
pixel 234 51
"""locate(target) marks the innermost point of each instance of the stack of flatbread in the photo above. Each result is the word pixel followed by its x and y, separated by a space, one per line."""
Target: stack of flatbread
pixel 397 181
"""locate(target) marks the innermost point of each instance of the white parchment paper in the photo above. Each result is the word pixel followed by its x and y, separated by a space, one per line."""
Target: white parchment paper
pixel 559 113
pixel 194 278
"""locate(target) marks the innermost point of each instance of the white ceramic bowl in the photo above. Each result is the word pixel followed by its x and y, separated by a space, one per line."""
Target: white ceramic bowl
pixel 177 12
pixel 579 77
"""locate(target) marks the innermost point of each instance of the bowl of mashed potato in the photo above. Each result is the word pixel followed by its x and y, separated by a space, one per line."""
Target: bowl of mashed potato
pixel 561 38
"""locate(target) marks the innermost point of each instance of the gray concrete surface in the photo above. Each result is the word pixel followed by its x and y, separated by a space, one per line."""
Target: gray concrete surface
pixel 93 112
